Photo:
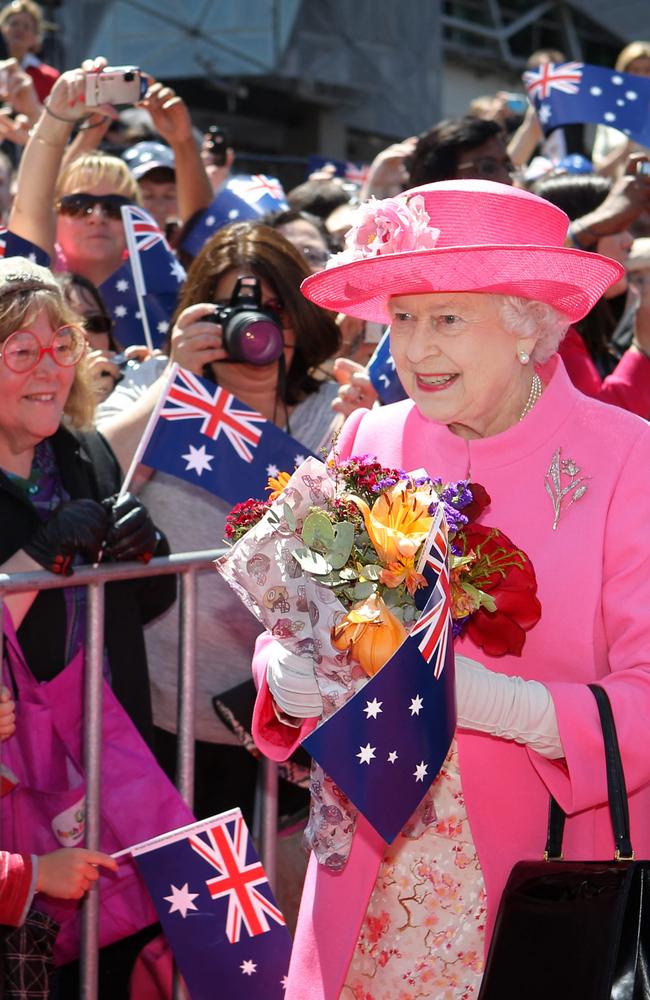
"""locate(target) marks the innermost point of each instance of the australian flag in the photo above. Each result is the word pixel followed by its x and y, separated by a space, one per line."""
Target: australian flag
pixel 357 173
pixel 564 93
pixel 381 369
pixel 203 434
pixel 15 246
pixel 152 273
pixel 217 910
pixel 386 745
pixel 265 194
pixel 225 207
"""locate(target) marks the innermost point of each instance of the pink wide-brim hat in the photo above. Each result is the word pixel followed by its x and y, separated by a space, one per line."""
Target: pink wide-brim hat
pixel 493 238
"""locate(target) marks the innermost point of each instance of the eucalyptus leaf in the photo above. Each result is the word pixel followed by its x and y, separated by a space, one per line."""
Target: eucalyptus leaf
pixel 363 590
pixel 348 573
pixel 289 516
pixel 312 562
pixel 318 531
pixel 372 571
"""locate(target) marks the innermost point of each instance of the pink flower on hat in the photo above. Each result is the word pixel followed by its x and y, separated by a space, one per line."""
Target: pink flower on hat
pixel 393 225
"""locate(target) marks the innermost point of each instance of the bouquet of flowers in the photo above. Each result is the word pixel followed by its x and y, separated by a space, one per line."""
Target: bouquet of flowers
pixel 333 564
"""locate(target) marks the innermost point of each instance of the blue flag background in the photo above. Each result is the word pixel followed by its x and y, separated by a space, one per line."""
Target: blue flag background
pixel 381 369
pixel 15 246
pixel 206 436
pixel 214 959
pixel 565 93
pixel 225 207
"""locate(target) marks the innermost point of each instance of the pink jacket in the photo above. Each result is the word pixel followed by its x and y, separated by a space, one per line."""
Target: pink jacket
pixel 593 575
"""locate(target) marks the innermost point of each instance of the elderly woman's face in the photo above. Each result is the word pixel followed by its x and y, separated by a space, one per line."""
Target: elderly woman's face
pixel 32 402
pixel 457 362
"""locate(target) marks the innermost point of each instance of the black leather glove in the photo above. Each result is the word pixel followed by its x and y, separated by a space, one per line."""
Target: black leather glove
pixel 76 526
pixel 131 534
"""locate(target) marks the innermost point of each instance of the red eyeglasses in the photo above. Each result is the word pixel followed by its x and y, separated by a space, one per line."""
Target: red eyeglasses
pixel 22 351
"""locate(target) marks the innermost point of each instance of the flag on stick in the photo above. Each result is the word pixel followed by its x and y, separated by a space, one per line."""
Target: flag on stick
pixel 203 434
pixel 217 909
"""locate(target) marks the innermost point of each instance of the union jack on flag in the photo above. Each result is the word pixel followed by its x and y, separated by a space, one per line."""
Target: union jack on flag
pixel 146 232
pixel 237 879
pixel 227 933
pixel 188 398
pixel 565 77
pixel 433 625
pixel 265 193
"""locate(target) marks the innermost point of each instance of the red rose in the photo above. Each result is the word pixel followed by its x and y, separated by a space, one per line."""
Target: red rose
pixel 480 500
pixel 507 575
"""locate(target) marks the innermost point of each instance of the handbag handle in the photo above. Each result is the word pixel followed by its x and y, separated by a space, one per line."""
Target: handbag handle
pixel 616 790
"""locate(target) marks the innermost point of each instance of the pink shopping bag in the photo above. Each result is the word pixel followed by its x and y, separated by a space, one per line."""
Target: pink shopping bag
pixel 47 808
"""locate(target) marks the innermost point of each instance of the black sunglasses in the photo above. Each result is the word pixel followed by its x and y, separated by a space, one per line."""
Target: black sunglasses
pixel 81 203
pixel 97 323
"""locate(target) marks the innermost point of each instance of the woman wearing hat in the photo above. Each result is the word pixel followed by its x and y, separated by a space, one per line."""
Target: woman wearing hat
pixel 478 287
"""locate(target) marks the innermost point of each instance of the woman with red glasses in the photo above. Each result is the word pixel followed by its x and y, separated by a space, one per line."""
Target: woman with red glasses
pixel 58 491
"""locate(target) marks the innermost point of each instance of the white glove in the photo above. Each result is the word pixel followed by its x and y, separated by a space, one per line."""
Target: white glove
pixel 509 707
pixel 292 684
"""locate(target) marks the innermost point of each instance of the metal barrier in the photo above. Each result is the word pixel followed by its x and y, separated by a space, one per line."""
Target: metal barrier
pixel 95 578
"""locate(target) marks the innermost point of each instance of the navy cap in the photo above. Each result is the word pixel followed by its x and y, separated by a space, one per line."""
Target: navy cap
pixel 146 156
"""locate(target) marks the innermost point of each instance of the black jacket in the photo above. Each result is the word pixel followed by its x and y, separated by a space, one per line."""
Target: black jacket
pixel 88 469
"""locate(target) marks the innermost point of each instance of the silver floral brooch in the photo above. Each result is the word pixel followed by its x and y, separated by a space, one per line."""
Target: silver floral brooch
pixel 563 482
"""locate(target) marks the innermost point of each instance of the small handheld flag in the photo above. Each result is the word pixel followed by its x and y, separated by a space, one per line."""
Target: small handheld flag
pixel 384 377
pixel 563 93
pixel 203 434
pixel 217 909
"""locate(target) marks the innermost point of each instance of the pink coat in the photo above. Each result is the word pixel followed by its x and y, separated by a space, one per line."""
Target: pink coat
pixel 593 575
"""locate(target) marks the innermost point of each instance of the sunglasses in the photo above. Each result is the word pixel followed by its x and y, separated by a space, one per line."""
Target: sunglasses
pixel 489 166
pixel 80 204
pixel 97 323
pixel 22 351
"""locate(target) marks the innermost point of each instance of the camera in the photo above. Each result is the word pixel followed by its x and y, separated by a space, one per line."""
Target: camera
pixel 115 85
pixel 123 362
pixel 252 333
pixel 643 167
pixel 216 142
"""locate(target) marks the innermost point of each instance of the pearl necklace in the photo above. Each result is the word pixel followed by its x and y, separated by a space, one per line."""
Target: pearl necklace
pixel 536 389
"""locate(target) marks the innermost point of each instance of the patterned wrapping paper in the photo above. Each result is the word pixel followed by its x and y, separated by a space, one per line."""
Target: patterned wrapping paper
pixel 300 612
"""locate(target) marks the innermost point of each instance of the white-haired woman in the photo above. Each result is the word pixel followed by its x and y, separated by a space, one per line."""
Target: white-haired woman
pixel 478 287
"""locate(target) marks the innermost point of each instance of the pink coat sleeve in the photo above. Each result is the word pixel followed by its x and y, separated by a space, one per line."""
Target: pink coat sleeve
pixel 17 885
pixel 578 782
pixel 275 739
pixel 628 386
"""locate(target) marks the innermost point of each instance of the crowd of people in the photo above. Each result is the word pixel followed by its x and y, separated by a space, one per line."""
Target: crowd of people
pixel 544 344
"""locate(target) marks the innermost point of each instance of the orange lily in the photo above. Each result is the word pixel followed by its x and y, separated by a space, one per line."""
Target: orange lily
pixel 371 632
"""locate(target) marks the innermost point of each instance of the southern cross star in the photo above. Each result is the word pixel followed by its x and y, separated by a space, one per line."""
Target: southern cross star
pixel 416 705
pixel 366 754
pixel 198 460
pixel 181 900
pixel 373 708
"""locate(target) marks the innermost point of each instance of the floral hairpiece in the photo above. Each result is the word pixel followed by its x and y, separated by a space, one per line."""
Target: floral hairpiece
pixel 393 225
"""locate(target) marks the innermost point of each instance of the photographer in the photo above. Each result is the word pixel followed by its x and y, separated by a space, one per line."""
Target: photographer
pixel 284 390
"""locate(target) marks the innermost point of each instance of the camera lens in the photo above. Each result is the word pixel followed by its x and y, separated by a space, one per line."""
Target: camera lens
pixel 253 339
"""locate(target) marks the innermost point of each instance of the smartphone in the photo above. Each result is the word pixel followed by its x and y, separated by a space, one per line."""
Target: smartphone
pixel 643 167
pixel 517 103
pixel 216 142
pixel 115 85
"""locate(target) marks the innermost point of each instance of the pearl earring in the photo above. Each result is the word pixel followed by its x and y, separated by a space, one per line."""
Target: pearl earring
pixel 523 356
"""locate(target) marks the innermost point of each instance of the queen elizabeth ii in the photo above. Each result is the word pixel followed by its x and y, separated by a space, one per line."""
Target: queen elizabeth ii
pixel 479 289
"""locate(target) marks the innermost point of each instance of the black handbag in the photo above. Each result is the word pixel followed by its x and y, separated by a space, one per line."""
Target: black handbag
pixel 576 930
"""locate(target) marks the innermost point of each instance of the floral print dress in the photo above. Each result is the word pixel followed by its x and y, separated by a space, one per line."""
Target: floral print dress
pixel 423 932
